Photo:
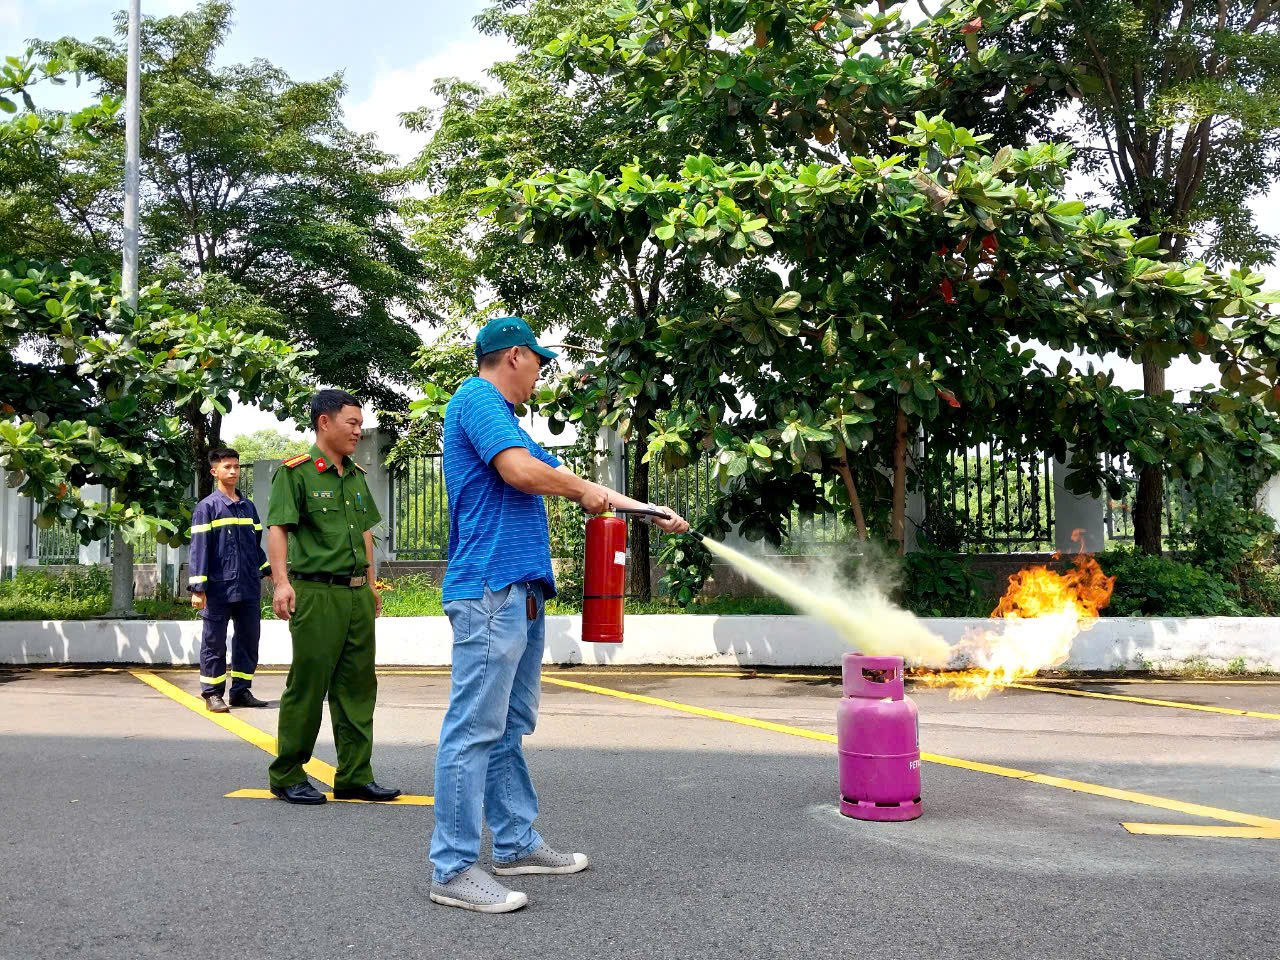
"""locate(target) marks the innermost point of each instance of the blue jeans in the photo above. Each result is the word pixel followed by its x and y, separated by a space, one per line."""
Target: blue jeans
pixel 480 767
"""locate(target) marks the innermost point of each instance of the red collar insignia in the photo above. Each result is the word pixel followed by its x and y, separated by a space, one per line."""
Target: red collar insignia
pixel 320 464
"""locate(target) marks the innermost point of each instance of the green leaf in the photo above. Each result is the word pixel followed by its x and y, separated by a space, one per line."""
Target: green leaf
pixel 7 105
pixel 53 307
pixel 1067 208
pixel 788 301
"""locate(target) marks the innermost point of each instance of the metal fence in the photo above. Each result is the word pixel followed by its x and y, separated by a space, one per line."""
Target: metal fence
pixel 1179 507
pixel 60 544
pixel 987 499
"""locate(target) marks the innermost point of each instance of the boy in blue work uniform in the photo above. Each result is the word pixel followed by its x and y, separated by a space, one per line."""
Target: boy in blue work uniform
pixel 226 571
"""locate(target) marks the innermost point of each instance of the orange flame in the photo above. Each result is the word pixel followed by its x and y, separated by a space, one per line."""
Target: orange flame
pixel 1043 612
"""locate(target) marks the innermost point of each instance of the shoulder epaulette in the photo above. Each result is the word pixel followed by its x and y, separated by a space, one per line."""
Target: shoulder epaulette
pixel 295 461
pixel 356 464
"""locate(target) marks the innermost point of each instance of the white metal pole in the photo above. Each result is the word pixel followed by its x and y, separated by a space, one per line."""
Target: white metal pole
pixel 122 554
pixel 129 274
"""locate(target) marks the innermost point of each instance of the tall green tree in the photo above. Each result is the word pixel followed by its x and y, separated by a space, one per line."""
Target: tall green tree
pixel 936 263
pixel 258 204
pixel 1176 115
pixel 539 117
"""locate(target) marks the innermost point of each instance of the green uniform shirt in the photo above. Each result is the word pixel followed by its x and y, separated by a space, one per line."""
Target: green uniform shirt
pixel 326 514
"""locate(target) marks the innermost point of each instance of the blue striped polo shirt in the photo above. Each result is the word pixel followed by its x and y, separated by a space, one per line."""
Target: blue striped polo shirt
pixel 497 534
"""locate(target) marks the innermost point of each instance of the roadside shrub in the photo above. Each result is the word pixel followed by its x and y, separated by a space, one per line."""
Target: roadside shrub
pixel 1164 587
pixel 1230 539
pixel 944 585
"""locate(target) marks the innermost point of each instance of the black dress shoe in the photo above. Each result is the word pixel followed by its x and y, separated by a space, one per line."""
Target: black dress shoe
pixel 299 793
pixel 245 698
pixel 215 704
pixel 370 791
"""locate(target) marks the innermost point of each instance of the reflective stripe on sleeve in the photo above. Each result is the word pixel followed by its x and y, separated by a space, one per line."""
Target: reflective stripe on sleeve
pixel 194 580
pixel 265 565
pixel 199 528
pixel 235 521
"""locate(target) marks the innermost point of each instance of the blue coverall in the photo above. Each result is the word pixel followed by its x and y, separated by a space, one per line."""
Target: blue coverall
pixel 227 565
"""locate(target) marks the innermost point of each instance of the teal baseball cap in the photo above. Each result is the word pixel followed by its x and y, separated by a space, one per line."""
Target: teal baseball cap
pixel 507 332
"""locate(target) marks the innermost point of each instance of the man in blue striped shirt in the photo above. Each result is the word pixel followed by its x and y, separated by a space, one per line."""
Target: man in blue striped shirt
pixel 495 589
pixel 225 577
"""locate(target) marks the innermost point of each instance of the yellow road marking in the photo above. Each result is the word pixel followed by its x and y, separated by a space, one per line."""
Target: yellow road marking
pixel 259 738
pixel 733 674
pixel 696 711
pixel 1202 830
pixel 404 800
pixel 1147 700
pixel 1078 786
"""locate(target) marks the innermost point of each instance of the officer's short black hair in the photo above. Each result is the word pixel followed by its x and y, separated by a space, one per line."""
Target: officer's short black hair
pixel 218 454
pixel 329 402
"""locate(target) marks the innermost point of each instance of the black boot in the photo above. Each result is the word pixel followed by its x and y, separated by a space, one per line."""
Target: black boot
pixel 245 698
pixel 299 793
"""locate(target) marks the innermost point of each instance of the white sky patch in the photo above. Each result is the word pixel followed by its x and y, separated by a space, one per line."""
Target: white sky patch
pixel 397 90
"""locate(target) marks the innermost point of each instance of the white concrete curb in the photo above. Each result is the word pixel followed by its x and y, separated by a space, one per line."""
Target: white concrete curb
pixel 1112 643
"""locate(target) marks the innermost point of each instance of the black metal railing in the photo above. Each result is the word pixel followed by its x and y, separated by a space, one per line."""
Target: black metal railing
pixel 987 499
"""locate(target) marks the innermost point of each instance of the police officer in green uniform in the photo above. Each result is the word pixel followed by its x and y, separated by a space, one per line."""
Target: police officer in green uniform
pixel 328 596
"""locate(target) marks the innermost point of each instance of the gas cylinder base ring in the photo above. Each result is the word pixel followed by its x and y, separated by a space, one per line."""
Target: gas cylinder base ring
pixel 884 812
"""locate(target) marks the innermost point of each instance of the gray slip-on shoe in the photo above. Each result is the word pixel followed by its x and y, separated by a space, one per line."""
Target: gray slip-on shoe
pixel 542 860
pixel 473 889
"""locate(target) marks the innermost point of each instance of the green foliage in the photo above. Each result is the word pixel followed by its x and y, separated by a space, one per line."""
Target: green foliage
pixel 260 206
pixel 413 595
pixel 688 565
pixel 35 594
pixel 268 444
pixel 1230 540
pixel 1152 586
pixel 937 584
pixel 98 403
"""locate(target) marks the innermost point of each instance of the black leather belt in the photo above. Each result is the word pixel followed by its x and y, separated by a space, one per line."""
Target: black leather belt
pixel 338 579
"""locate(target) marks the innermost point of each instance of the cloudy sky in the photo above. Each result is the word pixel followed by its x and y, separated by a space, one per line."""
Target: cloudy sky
pixel 389 52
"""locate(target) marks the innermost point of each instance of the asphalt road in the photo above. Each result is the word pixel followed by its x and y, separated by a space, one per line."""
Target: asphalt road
pixel 709 839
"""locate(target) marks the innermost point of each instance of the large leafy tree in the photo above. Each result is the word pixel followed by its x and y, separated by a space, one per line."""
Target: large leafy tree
pixel 91 390
pixel 258 204
pixel 1176 116
pixel 915 276
pixel 543 117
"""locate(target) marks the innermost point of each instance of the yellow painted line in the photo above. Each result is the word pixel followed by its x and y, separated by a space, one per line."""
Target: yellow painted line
pixel 696 711
pixel 1147 700
pixel 404 800
pixel 734 674
pixel 259 738
pixel 1175 680
pixel 1202 830
pixel 1078 786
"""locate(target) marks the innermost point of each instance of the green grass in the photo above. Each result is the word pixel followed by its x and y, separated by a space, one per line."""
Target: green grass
pixel 37 595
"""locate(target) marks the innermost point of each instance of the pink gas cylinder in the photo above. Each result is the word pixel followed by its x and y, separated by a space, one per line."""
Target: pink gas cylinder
pixel 878 735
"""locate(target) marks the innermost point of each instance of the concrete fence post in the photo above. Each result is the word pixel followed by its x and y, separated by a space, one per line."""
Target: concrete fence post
pixel 1073 512
pixel 1269 499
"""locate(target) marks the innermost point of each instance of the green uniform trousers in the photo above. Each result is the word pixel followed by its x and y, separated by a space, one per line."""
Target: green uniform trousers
pixel 333 653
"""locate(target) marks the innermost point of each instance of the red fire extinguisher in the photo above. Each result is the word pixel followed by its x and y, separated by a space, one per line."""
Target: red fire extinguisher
pixel 604 589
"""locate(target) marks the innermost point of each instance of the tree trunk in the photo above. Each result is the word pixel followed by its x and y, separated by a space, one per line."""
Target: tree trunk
pixel 121 577
pixel 639 582
pixel 205 435
pixel 855 503
pixel 1148 506
pixel 898 524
